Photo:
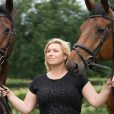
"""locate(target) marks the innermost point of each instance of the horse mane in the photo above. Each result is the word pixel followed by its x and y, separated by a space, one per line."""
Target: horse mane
pixel 4 11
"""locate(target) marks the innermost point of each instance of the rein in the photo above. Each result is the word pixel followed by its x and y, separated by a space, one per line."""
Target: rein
pixel 94 53
pixel 3 52
pixel 5 104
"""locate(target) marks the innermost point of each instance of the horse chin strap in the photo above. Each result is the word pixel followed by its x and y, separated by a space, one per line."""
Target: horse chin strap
pixel 5 50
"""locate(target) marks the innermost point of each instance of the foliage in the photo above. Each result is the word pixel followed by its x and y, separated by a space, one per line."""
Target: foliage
pixel 17 83
pixel 35 24
pixel 98 81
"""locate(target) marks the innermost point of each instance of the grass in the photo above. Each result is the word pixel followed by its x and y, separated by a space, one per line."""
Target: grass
pixel 16 86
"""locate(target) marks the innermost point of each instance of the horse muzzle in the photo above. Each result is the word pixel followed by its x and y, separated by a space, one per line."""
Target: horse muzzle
pixel 76 70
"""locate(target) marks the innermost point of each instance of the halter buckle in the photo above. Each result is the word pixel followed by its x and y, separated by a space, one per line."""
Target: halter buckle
pixel 2 60
pixel 92 59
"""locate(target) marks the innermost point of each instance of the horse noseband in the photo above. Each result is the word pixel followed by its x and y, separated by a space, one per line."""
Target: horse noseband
pixel 81 56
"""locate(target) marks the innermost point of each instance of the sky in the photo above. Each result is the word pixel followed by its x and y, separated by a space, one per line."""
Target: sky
pixel 82 3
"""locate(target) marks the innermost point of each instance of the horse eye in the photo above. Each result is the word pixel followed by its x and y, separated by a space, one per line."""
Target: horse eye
pixel 100 30
pixel 7 30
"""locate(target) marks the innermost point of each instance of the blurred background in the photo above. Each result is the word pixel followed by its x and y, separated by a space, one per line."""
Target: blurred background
pixel 36 22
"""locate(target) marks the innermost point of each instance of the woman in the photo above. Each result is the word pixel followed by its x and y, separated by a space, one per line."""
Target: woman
pixel 56 91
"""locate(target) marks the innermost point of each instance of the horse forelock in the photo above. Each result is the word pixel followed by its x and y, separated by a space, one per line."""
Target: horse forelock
pixel 4 11
pixel 97 10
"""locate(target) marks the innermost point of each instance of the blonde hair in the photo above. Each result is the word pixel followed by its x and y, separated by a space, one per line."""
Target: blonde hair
pixel 65 48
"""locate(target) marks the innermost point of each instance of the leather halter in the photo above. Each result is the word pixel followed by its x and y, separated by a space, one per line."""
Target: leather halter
pixel 94 53
pixel 5 50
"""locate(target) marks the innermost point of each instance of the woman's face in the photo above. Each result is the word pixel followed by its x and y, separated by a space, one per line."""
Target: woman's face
pixel 55 55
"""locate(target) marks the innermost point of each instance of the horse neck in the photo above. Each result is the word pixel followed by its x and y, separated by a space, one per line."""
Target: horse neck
pixel 3 73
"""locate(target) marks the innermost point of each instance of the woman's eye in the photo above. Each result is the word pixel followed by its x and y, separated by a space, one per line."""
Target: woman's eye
pixel 48 51
pixel 55 51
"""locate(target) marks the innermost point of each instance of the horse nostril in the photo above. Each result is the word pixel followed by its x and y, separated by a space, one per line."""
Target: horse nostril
pixel 75 68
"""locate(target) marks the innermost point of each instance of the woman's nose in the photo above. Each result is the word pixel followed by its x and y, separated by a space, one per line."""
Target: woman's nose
pixel 50 53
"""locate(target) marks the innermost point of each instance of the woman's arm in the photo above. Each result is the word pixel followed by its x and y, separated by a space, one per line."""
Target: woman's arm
pixel 95 99
pixel 25 106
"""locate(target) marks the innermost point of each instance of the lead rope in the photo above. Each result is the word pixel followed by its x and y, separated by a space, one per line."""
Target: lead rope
pixel 4 102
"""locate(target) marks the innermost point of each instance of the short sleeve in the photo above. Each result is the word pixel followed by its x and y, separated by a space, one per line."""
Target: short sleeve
pixel 84 80
pixel 32 87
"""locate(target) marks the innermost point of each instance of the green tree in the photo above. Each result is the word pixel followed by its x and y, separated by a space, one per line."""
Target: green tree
pixel 35 24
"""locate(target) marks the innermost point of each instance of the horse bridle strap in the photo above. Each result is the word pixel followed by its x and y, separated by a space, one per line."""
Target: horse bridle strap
pixel 4 102
pixel 6 17
pixel 94 53
pixel 5 50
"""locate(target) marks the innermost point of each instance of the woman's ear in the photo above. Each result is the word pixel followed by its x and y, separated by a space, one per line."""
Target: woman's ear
pixel 65 57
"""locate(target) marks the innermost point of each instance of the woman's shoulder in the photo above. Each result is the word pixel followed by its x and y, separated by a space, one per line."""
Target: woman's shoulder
pixel 40 76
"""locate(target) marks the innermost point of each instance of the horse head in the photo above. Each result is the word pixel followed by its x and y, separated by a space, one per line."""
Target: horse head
pixel 7 34
pixel 95 40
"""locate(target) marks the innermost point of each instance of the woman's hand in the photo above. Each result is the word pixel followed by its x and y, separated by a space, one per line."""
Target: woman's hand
pixel 110 82
pixel 5 90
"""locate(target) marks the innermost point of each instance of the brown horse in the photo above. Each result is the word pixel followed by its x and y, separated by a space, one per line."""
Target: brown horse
pixel 7 38
pixel 96 42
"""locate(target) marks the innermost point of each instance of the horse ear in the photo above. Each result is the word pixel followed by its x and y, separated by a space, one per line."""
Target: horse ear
pixel 9 5
pixel 105 5
pixel 90 5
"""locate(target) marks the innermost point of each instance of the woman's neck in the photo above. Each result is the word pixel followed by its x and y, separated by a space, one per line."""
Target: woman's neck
pixel 57 72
